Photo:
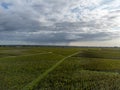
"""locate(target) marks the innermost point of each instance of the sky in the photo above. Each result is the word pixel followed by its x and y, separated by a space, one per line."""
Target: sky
pixel 60 22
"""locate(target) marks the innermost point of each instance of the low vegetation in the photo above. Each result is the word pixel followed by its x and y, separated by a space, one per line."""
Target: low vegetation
pixel 90 69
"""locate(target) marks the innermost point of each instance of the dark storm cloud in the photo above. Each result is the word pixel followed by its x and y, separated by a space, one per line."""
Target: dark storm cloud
pixel 16 22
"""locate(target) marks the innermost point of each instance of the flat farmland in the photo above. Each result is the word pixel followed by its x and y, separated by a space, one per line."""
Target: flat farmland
pixel 59 68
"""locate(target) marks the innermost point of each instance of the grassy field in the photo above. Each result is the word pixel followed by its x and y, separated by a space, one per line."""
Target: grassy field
pixel 59 68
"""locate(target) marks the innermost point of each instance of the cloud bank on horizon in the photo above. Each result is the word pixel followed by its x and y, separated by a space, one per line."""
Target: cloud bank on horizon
pixel 59 22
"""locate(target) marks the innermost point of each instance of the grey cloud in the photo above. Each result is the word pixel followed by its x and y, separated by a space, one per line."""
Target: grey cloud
pixel 24 20
pixel 16 22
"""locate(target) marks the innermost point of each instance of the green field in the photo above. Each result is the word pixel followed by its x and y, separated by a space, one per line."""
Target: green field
pixel 59 68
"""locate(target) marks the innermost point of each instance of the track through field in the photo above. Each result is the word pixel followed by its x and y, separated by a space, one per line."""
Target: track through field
pixel 35 82
pixel 25 55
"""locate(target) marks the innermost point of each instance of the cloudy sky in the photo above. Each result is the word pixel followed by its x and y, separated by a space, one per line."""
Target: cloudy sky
pixel 60 22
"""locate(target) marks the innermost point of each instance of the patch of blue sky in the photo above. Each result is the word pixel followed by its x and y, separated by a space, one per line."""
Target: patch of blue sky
pixel 112 8
pixel 75 10
pixel 116 28
pixel 5 5
pixel 79 9
pixel 92 7
pixel 106 1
